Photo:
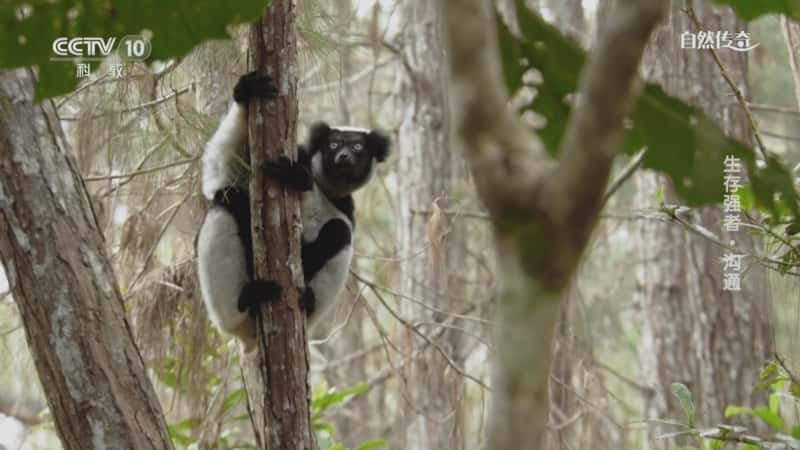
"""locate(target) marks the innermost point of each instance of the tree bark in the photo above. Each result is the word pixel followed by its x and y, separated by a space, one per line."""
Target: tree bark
pixel 694 332
pixel 277 377
pixel 542 212
pixel 428 243
pixel 791 36
pixel 93 376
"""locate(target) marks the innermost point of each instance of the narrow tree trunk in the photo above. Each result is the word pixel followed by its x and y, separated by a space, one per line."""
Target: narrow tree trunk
pixel 428 242
pixel 277 379
pixel 694 332
pixel 93 376
pixel 791 36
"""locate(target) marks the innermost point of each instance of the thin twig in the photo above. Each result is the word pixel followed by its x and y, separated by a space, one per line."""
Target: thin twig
pixel 175 209
pixel 143 171
pixel 139 107
pixel 773 108
pixel 785 368
pixel 425 338
pixel 626 173
pixel 689 10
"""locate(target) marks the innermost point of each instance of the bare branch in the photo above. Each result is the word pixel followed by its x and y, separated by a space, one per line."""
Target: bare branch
pixel 736 91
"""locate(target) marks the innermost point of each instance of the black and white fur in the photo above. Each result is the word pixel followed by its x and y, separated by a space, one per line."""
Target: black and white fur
pixel 335 162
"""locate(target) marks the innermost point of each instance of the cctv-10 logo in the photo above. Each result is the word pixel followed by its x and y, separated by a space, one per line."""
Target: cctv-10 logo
pixel 132 47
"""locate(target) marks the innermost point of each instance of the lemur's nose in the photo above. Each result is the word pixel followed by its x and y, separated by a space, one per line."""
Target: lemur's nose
pixel 343 157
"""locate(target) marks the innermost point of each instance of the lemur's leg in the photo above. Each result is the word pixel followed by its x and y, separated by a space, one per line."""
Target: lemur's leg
pixel 325 262
pixel 225 260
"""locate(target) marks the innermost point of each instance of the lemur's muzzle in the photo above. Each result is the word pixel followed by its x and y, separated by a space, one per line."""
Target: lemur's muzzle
pixel 344 158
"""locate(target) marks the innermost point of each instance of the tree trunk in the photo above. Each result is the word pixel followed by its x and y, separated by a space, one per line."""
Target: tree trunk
pixel 428 243
pixel 694 332
pixel 791 36
pixel 93 376
pixel 277 379
pixel 543 212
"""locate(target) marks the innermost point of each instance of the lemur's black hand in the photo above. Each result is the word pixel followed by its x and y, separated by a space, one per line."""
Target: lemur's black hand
pixel 294 175
pixel 256 292
pixel 309 301
pixel 253 85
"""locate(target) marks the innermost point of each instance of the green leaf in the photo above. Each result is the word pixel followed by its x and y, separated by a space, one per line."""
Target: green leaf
pixel 770 418
pixel 324 427
pixel 326 399
pixel 558 59
pixel 795 390
pixel 769 371
pixel 752 9
pixel 681 392
pixel 176 26
pixel 682 141
pixel 767 416
pixel 375 443
pixel 180 432
pixel 231 400
pixel 775 404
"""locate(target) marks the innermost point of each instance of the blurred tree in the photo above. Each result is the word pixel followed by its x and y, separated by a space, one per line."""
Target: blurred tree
pixel 542 211
pixel 430 242
pixel 694 332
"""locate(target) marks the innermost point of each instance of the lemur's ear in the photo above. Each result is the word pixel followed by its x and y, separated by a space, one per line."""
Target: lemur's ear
pixel 378 144
pixel 317 136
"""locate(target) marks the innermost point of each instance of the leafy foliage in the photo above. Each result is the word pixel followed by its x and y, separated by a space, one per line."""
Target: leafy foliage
pixel 323 400
pixel 784 392
pixel 175 26
pixel 680 140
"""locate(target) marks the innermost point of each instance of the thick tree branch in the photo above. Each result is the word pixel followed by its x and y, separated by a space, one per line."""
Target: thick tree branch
pixel 543 213
pixel 607 94
pixel 505 157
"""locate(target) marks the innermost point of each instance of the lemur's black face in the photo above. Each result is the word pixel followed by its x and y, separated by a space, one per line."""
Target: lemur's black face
pixel 343 159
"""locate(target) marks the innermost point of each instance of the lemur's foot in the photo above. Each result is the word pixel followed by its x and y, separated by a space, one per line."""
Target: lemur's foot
pixel 256 292
pixel 253 85
pixel 309 301
pixel 295 175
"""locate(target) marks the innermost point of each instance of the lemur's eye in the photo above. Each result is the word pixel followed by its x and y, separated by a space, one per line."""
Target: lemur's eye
pixel 334 145
pixel 358 147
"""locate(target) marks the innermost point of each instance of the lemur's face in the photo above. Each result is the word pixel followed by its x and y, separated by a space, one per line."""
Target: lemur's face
pixel 344 158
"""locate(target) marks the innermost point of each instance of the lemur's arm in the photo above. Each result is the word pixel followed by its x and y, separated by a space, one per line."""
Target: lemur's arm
pixel 219 158
pixel 296 175
pixel 332 238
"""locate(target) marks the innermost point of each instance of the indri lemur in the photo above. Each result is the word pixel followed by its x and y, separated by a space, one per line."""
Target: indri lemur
pixel 335 162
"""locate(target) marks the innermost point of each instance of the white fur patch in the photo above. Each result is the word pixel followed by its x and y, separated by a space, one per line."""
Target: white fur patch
pixel 349 129
pixel 219 158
